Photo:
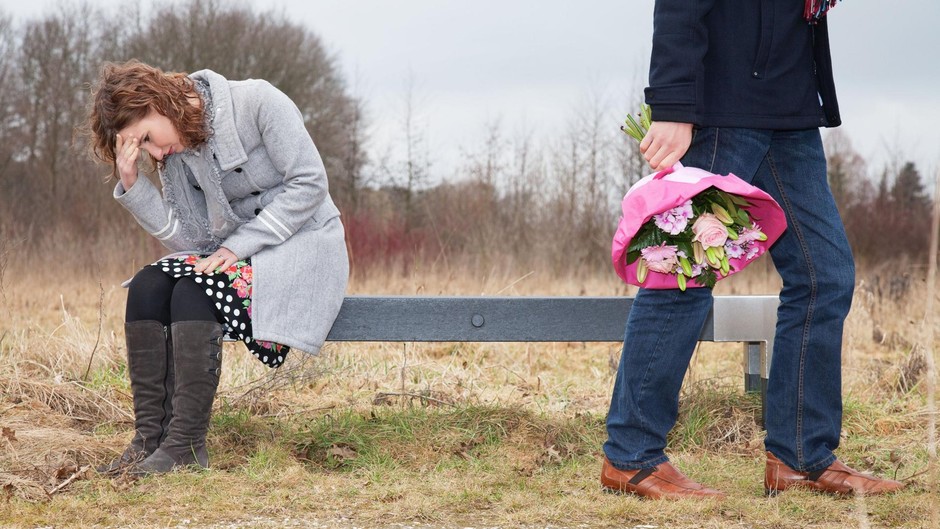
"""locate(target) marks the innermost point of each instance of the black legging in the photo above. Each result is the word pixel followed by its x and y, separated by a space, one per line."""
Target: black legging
pixel 155 295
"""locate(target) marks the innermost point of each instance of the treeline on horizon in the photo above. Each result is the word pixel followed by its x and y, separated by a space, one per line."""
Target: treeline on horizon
pixel 517 202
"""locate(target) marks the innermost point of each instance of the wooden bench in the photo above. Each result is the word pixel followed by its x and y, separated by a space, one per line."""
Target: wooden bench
pixel 750 320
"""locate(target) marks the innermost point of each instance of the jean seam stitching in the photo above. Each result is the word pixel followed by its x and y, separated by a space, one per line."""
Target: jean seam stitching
pixel 711 165
pixel 810 308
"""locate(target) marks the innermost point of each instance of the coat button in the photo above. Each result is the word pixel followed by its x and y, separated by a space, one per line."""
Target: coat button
pixel 257 212
pixel 238 169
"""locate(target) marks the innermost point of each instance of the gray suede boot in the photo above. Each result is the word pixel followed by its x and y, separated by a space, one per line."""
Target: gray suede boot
pixel 150 367
pixel 197 351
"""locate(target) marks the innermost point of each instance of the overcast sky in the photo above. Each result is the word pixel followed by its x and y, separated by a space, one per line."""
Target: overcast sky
pixel 536 61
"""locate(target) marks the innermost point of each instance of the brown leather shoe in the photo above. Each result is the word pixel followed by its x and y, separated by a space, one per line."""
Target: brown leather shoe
pixel 663 481
pixel 837 478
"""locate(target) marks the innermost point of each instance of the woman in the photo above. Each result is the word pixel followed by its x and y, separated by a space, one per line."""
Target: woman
pixel 261 255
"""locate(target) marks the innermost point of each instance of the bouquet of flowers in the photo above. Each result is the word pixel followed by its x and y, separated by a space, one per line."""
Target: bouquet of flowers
pixel 685 227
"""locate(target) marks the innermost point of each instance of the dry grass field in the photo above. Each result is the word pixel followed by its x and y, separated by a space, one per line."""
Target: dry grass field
pixel 433 435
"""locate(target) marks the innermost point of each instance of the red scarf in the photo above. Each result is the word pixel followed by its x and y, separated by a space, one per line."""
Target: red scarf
pixel 816 9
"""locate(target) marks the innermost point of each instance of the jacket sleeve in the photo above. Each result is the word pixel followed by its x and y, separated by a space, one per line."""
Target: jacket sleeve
pixel 146 204
pixel 680 40
pixel 294 156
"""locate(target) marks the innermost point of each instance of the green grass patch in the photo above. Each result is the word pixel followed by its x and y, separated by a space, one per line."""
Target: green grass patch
pixel 454 438
pixel 109 378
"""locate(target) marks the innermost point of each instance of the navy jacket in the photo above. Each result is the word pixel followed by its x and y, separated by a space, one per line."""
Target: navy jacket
pixel 741 63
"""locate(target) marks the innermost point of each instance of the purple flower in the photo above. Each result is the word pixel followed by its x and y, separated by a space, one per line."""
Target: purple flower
pixel 735 249
pixel 747 245
pixel 662 258
pixel 675 220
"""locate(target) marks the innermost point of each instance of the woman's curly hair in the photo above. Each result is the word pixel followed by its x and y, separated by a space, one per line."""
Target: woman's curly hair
pixel 128 92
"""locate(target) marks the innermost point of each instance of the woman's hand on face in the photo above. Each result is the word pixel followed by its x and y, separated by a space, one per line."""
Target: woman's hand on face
pixel 125 159
pixel 217 262
pixel 666 143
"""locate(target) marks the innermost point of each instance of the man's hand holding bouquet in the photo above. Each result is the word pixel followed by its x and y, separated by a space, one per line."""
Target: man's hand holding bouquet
pixel 685 227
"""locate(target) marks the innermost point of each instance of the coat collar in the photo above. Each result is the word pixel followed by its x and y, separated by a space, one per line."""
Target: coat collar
pixel 226 144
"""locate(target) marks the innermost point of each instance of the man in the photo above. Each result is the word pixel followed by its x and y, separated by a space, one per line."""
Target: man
pixel 742 87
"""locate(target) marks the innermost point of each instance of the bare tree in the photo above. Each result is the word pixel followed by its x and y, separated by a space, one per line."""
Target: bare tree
pixel 353 177
pixel 567 166
pixel 414 170
pixel 55 59
pixel 525 189
pixel 482 224
pixel 846 169
pixel 583 162
pixel 7 90
pixel 597 132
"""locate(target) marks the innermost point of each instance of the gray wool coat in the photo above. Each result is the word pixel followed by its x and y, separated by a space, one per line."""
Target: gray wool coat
pixel 257 187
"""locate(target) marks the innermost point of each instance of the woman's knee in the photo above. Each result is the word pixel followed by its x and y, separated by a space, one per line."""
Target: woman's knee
pixel 148 296
pixel 190 303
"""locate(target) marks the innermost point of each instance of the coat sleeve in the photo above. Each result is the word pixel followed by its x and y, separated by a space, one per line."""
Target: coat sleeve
pixel 146 204
pixel 294 156
pixel 680 40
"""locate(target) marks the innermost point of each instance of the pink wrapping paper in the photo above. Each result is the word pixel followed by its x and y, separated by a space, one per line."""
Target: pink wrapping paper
pixel 667 189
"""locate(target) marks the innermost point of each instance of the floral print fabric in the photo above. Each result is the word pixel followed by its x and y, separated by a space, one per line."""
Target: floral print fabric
pixel 230 291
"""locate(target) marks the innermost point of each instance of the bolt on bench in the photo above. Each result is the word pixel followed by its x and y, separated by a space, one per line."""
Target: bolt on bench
pixel 750 320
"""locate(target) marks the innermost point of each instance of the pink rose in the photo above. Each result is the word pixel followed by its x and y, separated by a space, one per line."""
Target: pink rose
pixel 241 287
pixel 247 273
pixel 662 258
pixel 709 231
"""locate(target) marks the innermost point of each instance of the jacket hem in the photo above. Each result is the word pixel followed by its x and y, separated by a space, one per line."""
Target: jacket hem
pixel 767 122
pixel 309 348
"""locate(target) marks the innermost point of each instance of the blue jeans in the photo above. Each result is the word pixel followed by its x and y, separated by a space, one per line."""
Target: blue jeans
pixel 813 258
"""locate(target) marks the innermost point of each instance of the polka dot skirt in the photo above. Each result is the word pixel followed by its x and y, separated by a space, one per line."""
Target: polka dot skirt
pixel 230 291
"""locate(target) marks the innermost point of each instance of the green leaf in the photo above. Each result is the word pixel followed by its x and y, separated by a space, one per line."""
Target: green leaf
pixel 729 204
pixel 632 257
pixel 707 278
pixel 649 235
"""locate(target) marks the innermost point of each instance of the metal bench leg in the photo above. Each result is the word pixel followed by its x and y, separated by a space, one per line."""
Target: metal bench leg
pixel 755 363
